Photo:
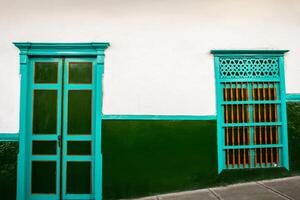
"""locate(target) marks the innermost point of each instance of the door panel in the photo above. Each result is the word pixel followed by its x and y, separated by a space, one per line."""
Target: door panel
pixel 61 128
pixel 80 72
pixel 44 112
pixel 45 72
pixel 78 128
pixel 44 147
pixel 79 177
pixel 44 128
pixel 79 148
pixel 79 112
pixel 43 177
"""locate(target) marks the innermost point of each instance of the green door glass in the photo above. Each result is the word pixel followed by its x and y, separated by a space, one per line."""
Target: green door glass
pixel 44 111
pixel 45 72
pixel 79 112
pixel 61 129
pixel 43 177
pixel 79 177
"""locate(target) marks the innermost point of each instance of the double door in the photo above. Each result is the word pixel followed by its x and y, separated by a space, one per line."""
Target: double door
pixel 60 128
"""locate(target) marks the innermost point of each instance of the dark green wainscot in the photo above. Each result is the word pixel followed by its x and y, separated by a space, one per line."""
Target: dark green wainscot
pixel 142 158
pixel 8 170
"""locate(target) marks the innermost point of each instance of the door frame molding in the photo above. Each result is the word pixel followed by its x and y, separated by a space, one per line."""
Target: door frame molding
pixel 28 49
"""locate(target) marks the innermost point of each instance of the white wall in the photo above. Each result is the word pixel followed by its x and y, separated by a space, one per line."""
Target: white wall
pixel 159 60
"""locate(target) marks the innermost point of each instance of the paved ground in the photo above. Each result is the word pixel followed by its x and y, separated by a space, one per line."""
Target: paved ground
pixel 276 189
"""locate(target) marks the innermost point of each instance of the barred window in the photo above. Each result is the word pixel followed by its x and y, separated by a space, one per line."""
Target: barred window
pixel 251 109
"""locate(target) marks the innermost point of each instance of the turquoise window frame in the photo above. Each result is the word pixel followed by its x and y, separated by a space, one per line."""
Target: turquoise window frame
pixel 220 111
pixel 29 50
pixel 293 97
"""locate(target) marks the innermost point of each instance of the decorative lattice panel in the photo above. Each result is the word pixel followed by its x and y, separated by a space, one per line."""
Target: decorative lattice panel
pixel 249 67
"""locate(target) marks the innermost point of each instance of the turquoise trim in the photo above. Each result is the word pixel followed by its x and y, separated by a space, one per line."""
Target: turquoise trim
pixel 9 137
pixel 252 124
pixel 66 137
pixel 253 146
pixel 285 150
pixel 21 167
pixel 63 49
pixel 250 102
pixel 260 51
pixel 220 120
pixel 81 51
pixel 280 83
pixel 224 80
pixel 293 97
pixel 98 74
pixel 158 117
pixel 30 137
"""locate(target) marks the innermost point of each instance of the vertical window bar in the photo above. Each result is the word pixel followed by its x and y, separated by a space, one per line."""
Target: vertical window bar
pixel 265 120
pixel 254 128
pixel 248 119
pixel 232 129
pixel 226 121
pixel 276 127
pixel 259 120
pixel 270 120
pixel 238 121
pixel 243 121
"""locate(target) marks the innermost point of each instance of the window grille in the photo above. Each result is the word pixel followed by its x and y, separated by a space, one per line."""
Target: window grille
pixel 251 109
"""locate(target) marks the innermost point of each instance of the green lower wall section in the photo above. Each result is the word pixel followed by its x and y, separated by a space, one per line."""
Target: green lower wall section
pixel 142 158
pixel 8 170
pixel 293 112
pixel 146 157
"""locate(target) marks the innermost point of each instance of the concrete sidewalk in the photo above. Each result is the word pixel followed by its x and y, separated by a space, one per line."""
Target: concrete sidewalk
pixel 276 189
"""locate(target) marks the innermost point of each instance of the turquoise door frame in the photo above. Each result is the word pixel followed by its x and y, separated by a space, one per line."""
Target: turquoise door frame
pixel 78 50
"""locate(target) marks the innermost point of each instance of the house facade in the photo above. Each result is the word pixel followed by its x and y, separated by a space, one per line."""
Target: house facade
pixel 122 99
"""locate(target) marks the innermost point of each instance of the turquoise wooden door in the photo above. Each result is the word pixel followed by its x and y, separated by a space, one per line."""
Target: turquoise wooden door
pixel 61 128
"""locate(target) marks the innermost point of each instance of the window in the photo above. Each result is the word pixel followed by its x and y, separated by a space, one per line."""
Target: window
pixel 251 109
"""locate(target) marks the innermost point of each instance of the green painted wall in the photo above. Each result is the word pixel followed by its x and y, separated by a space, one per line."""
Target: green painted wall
pixel 146 157
pixel 293 112
pixel 8 170
pixel 142 158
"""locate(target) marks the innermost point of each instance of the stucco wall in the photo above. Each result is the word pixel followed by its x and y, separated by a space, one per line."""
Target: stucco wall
pixel 159 60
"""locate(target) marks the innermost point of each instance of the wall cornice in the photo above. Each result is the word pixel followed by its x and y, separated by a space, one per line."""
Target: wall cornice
pixel 61 49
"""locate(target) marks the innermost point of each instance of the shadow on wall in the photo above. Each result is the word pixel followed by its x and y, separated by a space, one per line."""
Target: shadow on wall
pixel 143 158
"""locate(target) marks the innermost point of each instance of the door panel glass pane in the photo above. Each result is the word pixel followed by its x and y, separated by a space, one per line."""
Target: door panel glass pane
pixel 43 177
pixel 45 72
pixel 80 72
pixel 78 177
pixel 44 147
pixel 44 112
pixel 79 112
pixel 79 148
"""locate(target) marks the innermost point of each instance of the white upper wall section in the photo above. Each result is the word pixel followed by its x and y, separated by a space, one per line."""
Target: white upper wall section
pixel 159 60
